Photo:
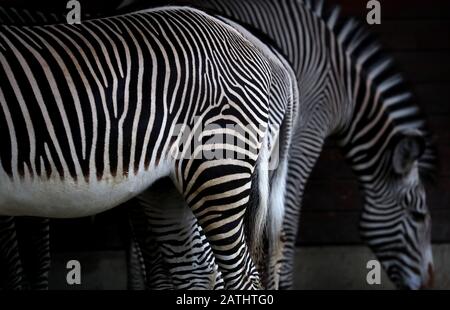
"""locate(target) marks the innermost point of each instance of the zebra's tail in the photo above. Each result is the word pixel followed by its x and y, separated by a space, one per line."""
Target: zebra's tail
pixel 275 222
pixel 278 181
pixel 264 220
pixel 257 212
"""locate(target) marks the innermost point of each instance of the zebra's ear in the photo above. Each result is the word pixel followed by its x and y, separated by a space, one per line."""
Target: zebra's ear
pixel 409 148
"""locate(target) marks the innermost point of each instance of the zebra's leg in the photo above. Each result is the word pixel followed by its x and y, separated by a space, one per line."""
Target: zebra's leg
pixel 156 270
pixel 11 270
pixel 34 243
pixel 146 260
pixel 218 193
pixel 136 274
pixel 185 253
pixel 305 150
pixel 136 271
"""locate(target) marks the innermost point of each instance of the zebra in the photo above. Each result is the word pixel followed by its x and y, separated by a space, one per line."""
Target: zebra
pixel 71 164
pixel 351 91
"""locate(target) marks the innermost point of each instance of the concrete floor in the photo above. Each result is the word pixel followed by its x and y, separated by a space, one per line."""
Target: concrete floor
pixel 100 270
pixel 331 267
pixel 344 267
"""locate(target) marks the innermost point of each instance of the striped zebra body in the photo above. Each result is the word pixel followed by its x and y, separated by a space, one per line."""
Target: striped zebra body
pixel 92 148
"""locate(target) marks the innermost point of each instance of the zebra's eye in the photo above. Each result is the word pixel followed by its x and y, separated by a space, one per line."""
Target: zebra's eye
pixel 418 216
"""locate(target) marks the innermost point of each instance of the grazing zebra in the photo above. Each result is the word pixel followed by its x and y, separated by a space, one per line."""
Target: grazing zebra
pixel 90 148
pixel 350 90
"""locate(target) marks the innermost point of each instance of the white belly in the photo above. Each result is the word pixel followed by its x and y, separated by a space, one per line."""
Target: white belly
pixel 68 199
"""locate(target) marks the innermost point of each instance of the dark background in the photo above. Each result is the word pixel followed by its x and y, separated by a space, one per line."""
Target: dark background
pixel 417 34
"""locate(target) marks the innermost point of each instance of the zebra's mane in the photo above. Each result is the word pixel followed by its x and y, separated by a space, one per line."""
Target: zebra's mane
pixel 397 93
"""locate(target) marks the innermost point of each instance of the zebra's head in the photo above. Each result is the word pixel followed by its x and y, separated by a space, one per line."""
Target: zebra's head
pixel 395 221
